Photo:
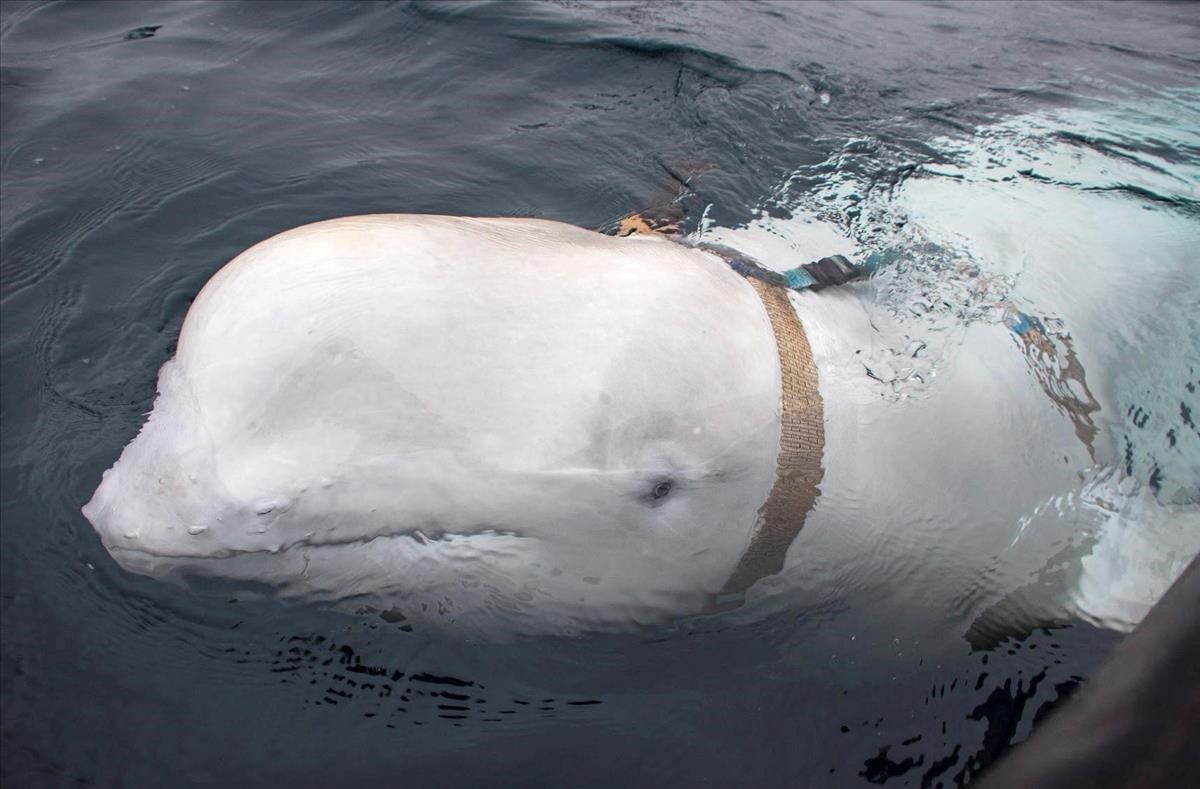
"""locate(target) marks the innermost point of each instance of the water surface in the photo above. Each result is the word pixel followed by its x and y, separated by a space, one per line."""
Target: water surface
pixel 1052 147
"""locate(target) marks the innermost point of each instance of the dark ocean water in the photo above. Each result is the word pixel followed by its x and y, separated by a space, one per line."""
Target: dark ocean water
pixel 145 144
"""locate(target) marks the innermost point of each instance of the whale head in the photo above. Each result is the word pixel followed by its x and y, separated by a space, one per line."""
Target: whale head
pixel 505 420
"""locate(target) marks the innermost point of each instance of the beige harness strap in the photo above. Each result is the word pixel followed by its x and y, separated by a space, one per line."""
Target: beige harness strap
pixel 801 445
pixel 801 441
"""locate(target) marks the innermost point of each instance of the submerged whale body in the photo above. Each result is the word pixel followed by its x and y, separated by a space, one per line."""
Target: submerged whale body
pixel 520 426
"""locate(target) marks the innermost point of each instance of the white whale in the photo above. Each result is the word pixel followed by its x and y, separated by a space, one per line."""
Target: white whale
pixel 524 426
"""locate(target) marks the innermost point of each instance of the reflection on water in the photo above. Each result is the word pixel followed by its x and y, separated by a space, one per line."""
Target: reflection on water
pixel 1034 215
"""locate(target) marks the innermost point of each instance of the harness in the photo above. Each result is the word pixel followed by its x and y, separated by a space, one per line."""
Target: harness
pixel 799 467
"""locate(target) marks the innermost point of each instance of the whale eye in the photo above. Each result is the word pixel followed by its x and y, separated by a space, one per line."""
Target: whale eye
pixel 656 491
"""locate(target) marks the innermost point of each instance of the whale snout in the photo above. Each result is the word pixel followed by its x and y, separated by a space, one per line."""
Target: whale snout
pixel 163 497
pixel 148 522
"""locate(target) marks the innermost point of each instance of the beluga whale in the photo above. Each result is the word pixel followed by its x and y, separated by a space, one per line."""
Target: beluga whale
pixel 501 425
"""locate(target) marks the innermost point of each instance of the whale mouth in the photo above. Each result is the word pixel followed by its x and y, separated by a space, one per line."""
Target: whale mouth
pixel 421 536
pixel 321 571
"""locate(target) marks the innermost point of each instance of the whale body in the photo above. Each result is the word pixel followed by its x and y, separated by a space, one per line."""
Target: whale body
pixel 520 426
